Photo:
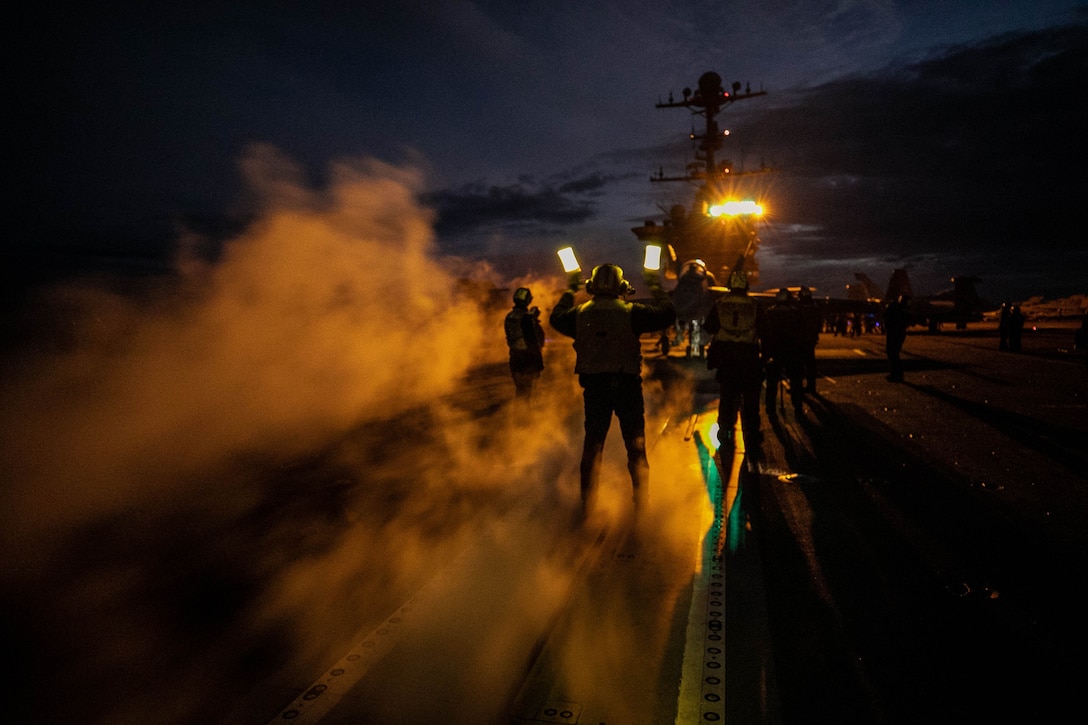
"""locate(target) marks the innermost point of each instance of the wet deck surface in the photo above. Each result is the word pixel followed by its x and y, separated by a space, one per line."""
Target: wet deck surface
pixel 905 552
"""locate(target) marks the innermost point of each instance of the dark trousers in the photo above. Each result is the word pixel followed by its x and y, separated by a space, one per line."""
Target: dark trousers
pixel 893 345
pixel 810 368
pixel 523 383
pixel 792 366
pixel 605 395
pixel 525 367
pixel 739 392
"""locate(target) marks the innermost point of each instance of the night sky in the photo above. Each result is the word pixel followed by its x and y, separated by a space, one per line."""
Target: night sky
pixel 943 137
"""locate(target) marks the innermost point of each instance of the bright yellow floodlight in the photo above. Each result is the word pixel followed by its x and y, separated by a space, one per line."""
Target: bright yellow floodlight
pixel 735 208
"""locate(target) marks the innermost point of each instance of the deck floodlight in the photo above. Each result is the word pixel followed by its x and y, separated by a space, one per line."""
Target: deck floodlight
pixel 653 257
pixel 569 260
pixel 735 208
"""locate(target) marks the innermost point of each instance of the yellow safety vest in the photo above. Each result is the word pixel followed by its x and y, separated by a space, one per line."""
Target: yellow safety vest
pixel 737 316
pixel 603 340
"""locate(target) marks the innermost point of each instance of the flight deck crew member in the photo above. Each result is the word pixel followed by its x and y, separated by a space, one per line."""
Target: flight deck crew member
pixel 608 363
pixel 1016 328
pixel 1003 327
pixel 691 298
pixel 525 339
pixel 738 325
pixel 896 321
pixel 1080 337
pixel 812 322
pixel 783 351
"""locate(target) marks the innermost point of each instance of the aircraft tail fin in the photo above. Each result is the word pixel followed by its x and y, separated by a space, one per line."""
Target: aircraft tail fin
pixel 965 295
pixel 871 290
pixel 899 284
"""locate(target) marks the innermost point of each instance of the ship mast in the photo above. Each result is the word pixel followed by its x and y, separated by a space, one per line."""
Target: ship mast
pixel 719 240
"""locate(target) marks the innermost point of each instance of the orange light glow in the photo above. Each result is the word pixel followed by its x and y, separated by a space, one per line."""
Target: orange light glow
pixel 735 208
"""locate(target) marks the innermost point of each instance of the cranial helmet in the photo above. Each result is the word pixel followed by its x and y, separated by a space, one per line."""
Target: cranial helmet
pixel 738 281
pixel 696 266
pixel 522 296
pixel 607 279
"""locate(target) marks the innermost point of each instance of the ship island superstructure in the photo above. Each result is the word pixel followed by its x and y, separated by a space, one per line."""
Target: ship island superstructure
pixel 720 226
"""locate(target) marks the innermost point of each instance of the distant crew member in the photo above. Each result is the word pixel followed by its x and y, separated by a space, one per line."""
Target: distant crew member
pixel 1080 337
pixel 1003 327
pixel 691 297
pixel 812 322
pixel 608 362
pixel 1016 328
pixel 525 339
pixel 783 351
pixel 738 325
pixel 896 321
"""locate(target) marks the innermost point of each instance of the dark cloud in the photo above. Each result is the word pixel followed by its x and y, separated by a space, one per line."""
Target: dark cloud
pixel 130 120
pixel 527 204
pixel 586 185
pixel 973 149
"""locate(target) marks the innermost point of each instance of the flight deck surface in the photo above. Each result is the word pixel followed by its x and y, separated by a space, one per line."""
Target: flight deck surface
pixel 903 552
pixel 723 600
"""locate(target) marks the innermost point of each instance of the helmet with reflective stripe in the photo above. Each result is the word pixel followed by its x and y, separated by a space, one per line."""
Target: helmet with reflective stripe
pixel 696 266
pixel 607 279
pixel 738 281
pixel 522 296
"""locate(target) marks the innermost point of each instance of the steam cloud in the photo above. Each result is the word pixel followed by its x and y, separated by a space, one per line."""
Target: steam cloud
pixel 272 450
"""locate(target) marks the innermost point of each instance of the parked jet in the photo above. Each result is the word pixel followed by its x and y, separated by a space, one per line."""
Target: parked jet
pixel 959 305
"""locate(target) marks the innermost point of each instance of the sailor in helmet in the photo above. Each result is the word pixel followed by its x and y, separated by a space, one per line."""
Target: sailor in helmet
pixel 738 326
pixel 813 323
pixel 606 332
pixel 525 339
pixel 896 322
pixel 784 351
pixel 692 300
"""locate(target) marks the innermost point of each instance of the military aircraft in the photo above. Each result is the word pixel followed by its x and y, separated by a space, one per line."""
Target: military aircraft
pixel 958 305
